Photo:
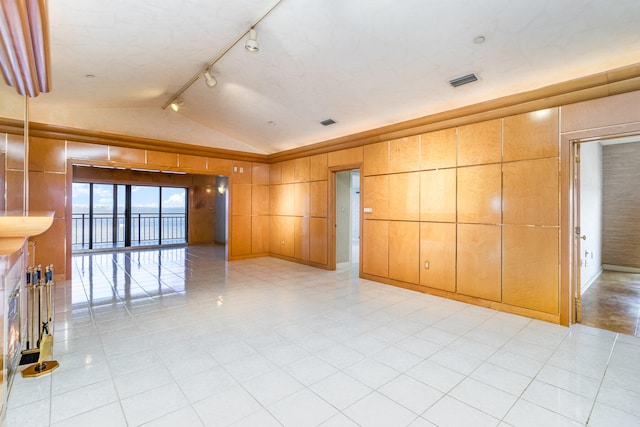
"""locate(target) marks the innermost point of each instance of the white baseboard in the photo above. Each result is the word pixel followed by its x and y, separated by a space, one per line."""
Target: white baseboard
pixel 621 268
pixel 589 282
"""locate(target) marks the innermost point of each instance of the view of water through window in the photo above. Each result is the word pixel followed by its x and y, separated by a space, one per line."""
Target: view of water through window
pixel 102 219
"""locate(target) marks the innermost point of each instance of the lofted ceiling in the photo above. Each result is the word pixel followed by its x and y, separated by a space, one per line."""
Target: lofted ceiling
pixel 363 63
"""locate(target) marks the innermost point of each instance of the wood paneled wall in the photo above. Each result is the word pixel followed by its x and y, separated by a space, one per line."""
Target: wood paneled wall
pixel 621 205
pixel 249 205
pixel 298 209
pixel 470 213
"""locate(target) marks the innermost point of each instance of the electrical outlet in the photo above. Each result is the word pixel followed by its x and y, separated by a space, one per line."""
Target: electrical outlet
pixel 241 170
pixel 368 210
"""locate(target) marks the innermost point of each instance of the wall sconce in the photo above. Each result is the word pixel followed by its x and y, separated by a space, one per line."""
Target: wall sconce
pixel 221 189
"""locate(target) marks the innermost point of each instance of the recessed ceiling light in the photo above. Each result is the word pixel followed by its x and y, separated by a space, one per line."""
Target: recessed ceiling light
pixel 271 123
pixel 479 40
pixel 90 76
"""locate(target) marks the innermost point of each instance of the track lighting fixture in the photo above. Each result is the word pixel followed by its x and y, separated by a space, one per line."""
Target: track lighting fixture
pixel 176 104
pixel 252 42
pixel 209 79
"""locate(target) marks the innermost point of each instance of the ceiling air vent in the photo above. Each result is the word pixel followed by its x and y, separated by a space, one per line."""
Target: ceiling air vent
pixel 469 78
pixel 328 122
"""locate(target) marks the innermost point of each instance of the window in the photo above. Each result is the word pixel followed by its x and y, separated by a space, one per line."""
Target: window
pixel 113 215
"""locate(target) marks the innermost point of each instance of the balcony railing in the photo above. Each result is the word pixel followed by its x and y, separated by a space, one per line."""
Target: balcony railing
pixel 145 230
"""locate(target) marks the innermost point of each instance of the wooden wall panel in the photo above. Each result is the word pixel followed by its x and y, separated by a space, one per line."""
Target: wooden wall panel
pixel 318 198
pixel 241 172
pixel 15 190
pixel 404 196
pixel 275 200
pixel 15 152
pixel 50 246
pixel 47 192
pixel 260 200
pixel 404 251
pixel 287 235
pixel 275 225
pixel 376 159
pixel 531 135
pixel 241 199
pixel 301 199
pixel 287 199
pixel 275 173
pixel 318 240
pixel 240 235
pixel 348 156
pixel 480 143
pixel 225 167
pixel 288 172
pixel 47 155
pixel 301 238
pixel 479 263
pixel 531 276
pixel 621 205
pixel 260 174
pixel 186 161
pixel 479 194
pixel 376 196
pixel 438 249
pixel 81 150
pixel 301 170
pixel 438 195
pixel 375 248
pixel 438 149
pixel 531 192
pixel 202 211
pixel 259 234
pixel 158 158
pixel 126 155
pixel 318 167
pixel 601 112
pixel 404 154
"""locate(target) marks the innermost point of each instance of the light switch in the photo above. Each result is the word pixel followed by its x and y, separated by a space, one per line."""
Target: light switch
pixel 426 265
pixel 235 169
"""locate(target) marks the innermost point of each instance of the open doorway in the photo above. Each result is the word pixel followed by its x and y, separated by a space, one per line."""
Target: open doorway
pixel 607 198
pixel 347 217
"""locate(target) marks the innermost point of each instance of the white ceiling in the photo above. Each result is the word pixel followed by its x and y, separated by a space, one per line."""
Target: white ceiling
pixel 363 63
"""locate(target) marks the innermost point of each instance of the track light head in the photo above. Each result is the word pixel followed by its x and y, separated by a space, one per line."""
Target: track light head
pixel 176 104
pixel 209 79
pixel 252 42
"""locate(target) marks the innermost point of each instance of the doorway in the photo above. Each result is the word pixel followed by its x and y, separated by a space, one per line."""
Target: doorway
pixel 347 218
pixel 607 239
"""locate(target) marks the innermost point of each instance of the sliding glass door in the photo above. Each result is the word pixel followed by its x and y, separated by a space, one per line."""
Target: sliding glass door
pixel 114 215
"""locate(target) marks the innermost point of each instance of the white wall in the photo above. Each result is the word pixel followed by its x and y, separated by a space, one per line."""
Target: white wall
pixel 343 216
pixel 591 193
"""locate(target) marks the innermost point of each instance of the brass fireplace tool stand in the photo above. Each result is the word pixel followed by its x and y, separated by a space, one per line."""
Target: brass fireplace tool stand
pixel 39 322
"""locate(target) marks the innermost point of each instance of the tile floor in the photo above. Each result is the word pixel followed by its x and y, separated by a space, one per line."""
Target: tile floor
pixel 612 302
pixel 179 337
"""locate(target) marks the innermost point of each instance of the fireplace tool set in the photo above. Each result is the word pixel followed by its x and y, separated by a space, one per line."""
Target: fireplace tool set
pixel 39 346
